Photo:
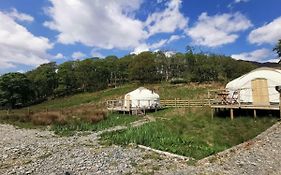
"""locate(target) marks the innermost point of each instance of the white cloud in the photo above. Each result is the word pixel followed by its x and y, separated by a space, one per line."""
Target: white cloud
pixel 166 21
pixel 274 60
pixel 140 48
pixel 97 54
pixel 155 46
pixel 78 55
pixel 260 55
pixel 19 16
pixel 238 1
pixel 21 71
pixel 19 46
pixel 59 56
pixel 158 44
pixel 148 47
pixel 174 38
pixel 269 33
pixel 111 24
pixel 213 31
pixel 104 24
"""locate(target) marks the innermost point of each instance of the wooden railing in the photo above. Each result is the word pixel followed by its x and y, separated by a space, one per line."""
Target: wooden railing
pixel 185 103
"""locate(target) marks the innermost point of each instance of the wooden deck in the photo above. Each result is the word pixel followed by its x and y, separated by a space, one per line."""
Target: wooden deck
pixel 232 107
pixel 223 101
pixel 119 106
pixel 246 106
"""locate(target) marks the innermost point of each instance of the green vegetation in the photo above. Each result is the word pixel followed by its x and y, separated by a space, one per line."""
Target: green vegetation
pixel 50 80
pixel 112 120
pixel 66 126
pixel 191 132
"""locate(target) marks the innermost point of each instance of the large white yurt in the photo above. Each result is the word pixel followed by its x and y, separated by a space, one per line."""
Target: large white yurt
pixel 256 87
pixel 142 98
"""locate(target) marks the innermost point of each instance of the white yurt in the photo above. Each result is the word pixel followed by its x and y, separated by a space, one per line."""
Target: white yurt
pixel 142 98
pixel 256 87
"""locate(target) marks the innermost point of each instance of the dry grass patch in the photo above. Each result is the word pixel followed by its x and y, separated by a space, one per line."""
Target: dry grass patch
pixel 89 113
pixel 48 118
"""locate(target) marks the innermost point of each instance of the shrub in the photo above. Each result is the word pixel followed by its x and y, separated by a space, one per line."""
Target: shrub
pixel 47 118
pixel 15 118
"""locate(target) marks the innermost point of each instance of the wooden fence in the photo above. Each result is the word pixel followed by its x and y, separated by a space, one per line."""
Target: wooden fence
pixel 185 103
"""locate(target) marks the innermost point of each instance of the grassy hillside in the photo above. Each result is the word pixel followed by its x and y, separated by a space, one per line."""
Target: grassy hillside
pixel 185 131
pixel 166 91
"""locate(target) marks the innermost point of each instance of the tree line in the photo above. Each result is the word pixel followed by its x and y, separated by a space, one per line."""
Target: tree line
pixel 52 80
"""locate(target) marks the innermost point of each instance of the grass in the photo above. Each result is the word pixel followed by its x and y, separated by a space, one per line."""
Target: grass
pixel 166 91
pixel 73 126
pixel 66 126
pixel 77 100
pixel 191 133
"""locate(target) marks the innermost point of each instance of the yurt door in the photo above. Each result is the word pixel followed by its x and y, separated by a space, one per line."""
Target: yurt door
pixel 128 101
pixel 260 92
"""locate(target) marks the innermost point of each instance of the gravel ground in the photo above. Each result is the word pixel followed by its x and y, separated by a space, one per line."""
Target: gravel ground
pixel 30 151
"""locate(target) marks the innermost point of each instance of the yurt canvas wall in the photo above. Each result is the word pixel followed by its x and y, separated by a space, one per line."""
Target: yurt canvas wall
pixel 257 87
pixel 143 98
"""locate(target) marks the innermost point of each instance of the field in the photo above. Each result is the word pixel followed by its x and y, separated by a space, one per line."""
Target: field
pixel 184 131
pixel 191 133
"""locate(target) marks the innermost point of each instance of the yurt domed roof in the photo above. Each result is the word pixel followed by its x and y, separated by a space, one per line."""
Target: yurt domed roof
pixel 143 93
pixel 274 75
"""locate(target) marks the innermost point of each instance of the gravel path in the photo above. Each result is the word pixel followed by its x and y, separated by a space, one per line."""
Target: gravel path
pixel 30 151
pixel 33 151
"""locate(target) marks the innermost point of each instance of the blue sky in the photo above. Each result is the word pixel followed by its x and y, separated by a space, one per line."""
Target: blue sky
pixel 33 32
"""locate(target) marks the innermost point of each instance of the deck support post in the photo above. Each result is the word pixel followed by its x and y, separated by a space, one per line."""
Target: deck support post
pixel 255 113
pixel 231 114
pixel 280 104
pixel 212 113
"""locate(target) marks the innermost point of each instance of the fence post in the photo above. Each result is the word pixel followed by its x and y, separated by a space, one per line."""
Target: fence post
pixel 28 111
pixel 175 102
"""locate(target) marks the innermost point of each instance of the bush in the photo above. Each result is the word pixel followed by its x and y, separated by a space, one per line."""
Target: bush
pixel 47 118
pixel 15 118
pixel 95 116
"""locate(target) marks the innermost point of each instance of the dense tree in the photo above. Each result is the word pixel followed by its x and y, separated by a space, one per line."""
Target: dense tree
pixel 67 80
pixel 92 74
pixel 49 80
pixel 143 68
pixel 44 79
pixel 15 90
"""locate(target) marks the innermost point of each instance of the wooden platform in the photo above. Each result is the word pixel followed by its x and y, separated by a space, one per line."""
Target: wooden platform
pixel 232 107
pixel 236 106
